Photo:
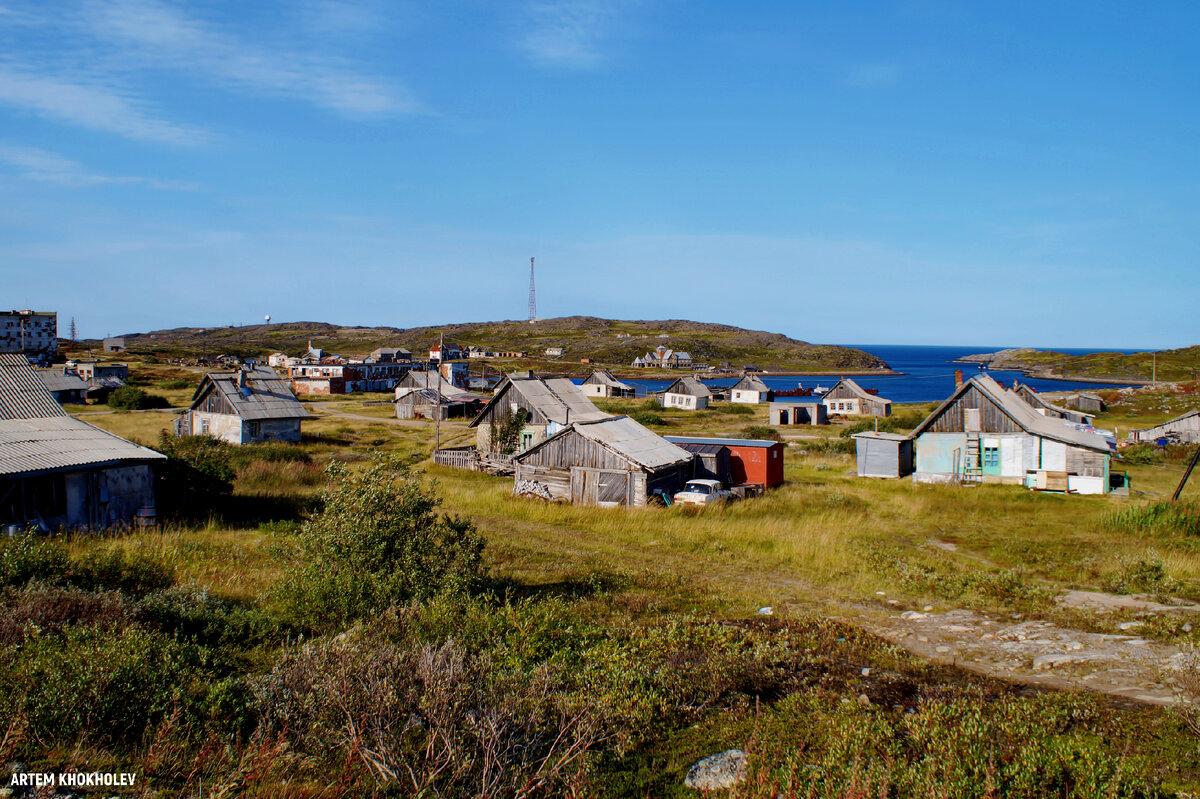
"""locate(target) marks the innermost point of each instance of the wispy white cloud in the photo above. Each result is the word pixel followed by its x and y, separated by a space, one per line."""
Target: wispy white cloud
pixel 570 33
pixel 38 164
pixel 93 105
pixel 163 35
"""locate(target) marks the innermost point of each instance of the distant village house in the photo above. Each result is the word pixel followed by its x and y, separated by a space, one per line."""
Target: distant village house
pixel 686 393
pixel 248 406
pixel 603 385
pixel 848 398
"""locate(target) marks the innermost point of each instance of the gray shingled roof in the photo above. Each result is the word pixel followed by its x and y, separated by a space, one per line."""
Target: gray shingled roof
pixel 750 383
pixel 688 385
pixel 431 380
pixel 858 391
pixel 265 395
pixel 22 394
pixel 626 438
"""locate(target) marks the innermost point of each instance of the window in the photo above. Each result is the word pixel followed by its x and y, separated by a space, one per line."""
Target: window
pixel 991 458
pixel 526 440
pixel 254 429
pixel 204 426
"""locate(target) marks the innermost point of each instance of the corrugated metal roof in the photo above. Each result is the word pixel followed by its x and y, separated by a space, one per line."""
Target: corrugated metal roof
pixel 701 449
pixel 628 439
pixel 61 442
pixel 575 404
pixel 23 395
pixel 264 396
pixel 726 442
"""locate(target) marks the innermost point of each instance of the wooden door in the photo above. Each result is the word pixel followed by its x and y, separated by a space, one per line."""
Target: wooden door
pixel 971 420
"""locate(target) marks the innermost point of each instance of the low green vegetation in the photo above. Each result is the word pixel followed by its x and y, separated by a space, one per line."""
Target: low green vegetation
pixel 322 620
pixel 130 398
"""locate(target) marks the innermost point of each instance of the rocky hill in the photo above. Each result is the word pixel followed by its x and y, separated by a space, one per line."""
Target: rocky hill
pixel 1114 367
pixel 604 341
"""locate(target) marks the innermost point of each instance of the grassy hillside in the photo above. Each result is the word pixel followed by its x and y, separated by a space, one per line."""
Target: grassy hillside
pixel 582 336
pixel 1172 365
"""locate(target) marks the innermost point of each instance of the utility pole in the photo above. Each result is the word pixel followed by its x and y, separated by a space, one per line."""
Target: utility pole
pixel 437 414
pixel 532 295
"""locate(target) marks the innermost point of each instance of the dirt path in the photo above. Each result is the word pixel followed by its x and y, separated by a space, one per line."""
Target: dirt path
pixel 1037 652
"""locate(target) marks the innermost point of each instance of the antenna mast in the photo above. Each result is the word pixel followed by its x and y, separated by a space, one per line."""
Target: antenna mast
pixel 532 295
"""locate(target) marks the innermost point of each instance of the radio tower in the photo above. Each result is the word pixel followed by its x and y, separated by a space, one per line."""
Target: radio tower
pixel 532 295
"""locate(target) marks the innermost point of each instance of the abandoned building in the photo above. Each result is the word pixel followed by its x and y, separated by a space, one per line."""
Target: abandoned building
pixel 784 413
pixel 59 472
pixel 608 461
pixel 249 406
pixel 545 407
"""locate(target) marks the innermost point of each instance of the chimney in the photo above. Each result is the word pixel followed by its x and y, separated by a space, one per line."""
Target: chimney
pixel 958 381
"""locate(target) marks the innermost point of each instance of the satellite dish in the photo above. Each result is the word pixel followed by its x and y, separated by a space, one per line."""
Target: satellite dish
pixel 268 318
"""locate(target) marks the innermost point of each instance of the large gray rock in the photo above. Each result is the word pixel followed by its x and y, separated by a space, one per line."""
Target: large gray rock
pixel 717 772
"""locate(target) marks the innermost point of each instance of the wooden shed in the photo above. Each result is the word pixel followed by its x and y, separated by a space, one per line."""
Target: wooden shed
pixel 423 403
pixel 610 461
pixel 712 461
pixel 1185 428
pixel 849 398
pixel 785 413
pixel 1085 402
pixel 1042 406
pixel 751 461
pixel 883 454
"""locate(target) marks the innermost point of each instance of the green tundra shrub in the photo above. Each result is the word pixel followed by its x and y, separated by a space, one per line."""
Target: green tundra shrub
pixel 130 398
pixel 378 540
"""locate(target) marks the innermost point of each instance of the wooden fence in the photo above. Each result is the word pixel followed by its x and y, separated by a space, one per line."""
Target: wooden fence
pixel 470 458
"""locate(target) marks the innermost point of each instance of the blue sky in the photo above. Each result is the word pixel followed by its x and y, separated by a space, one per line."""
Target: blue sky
pixel 892 172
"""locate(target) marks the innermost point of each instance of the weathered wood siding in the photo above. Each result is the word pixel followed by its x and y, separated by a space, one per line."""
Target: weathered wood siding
pixel 573 449
pixel 992 418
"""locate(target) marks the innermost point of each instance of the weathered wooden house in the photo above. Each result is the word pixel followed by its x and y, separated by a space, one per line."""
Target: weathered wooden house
pixel 848 398
pixel 249 406
pixel 986 433
pixel 544 406
pixel 609 461
pixel 1042 406
pixel 424 403
pixel 601 383
pixel 751 461
pixel 784 413
pixel 1183 429
pixel 57 471
pixel 433 381
pixel 750 390
pixel 686 393
pixel 1084 401
pixel 883 454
